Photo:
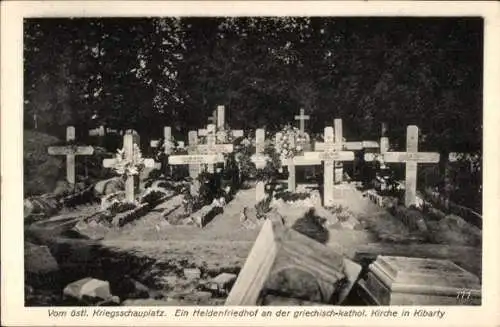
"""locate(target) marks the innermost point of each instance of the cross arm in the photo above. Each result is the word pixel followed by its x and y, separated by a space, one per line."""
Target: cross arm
pixel 69 150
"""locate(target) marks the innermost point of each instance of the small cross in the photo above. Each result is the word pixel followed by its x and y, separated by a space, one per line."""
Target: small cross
pixel 130 155
pixel 302 118
pixel 70 151
pixel 411 158
pixel 167 136
pixel 332 152
pixel 213 119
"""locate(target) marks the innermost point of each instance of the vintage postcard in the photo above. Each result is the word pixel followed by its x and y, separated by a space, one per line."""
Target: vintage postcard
pixel 256 163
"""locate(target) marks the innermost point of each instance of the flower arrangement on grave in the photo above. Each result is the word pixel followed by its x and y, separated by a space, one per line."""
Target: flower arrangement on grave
pixel 225 135
pixel 115 203
pixel 270 170
pixel 129 167
pixel 286 149
pixel 152 195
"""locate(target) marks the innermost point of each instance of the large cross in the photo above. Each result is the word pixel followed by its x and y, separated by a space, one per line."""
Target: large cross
pixel 213 119
pixel 128 147
pixel 302 118
pixel 70 151
pixel 219 116
pixel 332 153
pixel 194 159
pixel 212 147
pixel 411 158
pixel 339 145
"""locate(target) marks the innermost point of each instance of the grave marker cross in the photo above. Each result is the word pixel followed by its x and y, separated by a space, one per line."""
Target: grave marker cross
pixel 302 118
pixel 167 136
pixel 260 160
pixel 332 153
pixel 411 158
pixel 70 151
pixel 130 156
pixel 338 145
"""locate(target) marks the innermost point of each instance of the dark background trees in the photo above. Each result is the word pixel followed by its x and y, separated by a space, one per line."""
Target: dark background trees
pixel 150 72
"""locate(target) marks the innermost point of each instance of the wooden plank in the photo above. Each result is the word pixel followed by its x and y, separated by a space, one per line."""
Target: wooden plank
pixel 215 148
pixel 422 157
pixel 71 150
pixel 193 159
pixel 352 145
pixel 220 117
pixel 251 279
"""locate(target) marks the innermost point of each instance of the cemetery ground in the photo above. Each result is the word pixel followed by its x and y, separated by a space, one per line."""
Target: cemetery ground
pixel 166 264
pixel 152 261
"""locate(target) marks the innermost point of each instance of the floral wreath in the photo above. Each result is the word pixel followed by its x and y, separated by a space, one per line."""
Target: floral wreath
pixel 285 148
pixel 126 166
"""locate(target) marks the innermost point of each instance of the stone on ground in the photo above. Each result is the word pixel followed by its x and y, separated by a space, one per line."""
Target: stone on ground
pixel 192 273
pixel 222 283
pixel 88 287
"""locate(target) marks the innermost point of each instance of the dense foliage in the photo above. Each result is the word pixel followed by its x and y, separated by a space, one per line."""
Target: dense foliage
pixel 149 73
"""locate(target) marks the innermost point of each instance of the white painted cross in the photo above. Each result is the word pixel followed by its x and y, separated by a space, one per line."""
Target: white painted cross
pixel 70 151
pixel 130 156
pixel 338 146
pixel 194 169
pixel 99 131
pixel 213 148
pixel 332 153
pixel 302 118
pixel 411 158
pixel 167 136
pixel 221 114
pixel 194 159
pixel 260 160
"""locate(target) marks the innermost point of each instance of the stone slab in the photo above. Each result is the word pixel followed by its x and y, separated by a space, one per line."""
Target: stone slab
pixel 407 280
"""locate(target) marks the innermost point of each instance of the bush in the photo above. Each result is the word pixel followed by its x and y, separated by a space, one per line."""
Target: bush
pixel 41 170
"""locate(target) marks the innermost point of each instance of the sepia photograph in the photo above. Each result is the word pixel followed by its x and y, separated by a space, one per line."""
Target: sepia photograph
pixel 282 160
pixel 255 163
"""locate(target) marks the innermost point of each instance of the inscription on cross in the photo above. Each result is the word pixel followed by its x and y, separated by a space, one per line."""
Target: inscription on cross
pixel 213 148
pixel 70 151
pixel 196 157
pixel 331 147
pixel 130 157
pixel 411 158
pixel 332 153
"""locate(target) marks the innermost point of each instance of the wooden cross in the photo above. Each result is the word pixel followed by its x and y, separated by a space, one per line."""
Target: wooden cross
pixel 260 160
pixel 213 119
pixel 411 158
pixel 302 118
pixel 99 131
pixel 338 147
pixel 128 147
pixel 194 159
pixel 213 148
pixel 194 169
pixel 221 124
pixel 332 153
pixel 70 151
pixel 167 136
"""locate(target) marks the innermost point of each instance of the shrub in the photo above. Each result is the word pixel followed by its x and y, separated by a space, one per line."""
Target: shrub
pixel 41 170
